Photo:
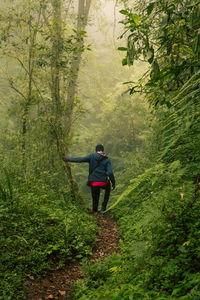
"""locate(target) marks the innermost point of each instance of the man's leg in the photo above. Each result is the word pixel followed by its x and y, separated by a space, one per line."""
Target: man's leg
pixel 95 190
pixel 106 196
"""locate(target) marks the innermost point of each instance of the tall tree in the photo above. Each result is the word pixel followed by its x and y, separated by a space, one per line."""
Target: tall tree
pixel 82 19
pixel 63 93
pixel 57 70
pixel 83 11
pixel 18 45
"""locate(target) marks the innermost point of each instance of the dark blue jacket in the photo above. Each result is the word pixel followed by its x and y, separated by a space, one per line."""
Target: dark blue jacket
pixel 99 167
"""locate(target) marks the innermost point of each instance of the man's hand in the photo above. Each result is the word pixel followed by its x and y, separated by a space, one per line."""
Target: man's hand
pixel 64 158
pixel 113 186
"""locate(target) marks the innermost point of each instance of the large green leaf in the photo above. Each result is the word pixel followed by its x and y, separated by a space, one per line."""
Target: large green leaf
pixel 150 8
pixel 136 19
pixel 122 48
pixel 124 12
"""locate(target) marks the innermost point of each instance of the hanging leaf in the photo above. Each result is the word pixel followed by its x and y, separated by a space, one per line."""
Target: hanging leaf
pixel 136 19
pixel 124 61
pixel 150 8
pixel 124 12
pixel 122 48
pixel 127 82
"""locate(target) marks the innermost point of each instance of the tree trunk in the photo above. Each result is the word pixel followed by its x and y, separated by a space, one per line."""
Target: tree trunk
pixel 82 19
pixel 57 124
pixel 83 11
pixel 29 71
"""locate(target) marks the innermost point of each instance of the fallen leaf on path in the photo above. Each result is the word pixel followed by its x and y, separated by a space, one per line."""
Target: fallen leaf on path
pixel 49 297
pixel 62 293
pixel 107 242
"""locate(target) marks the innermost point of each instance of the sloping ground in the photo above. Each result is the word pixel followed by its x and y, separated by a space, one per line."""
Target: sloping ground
pixel 58 284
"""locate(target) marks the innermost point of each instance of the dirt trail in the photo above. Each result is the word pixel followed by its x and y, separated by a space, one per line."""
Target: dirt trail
pixel 58 284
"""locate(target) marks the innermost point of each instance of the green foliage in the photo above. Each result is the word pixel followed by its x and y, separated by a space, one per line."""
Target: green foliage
pixel 159 254
pixel 180 127
pixel 158 209
pixel 158 212
pixel 166 35
pixel 36 238
pixel 40 228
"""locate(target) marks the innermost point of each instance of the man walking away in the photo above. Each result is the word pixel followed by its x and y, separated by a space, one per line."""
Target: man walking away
pixel 100 175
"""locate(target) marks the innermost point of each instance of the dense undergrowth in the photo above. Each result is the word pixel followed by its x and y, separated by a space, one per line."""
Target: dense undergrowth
pixel 158 216
pixel 39 236
pixel 159 258
pixel 156 165
pixel 158 213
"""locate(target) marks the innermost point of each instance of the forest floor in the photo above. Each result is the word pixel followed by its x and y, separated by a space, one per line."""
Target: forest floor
pixel 59 284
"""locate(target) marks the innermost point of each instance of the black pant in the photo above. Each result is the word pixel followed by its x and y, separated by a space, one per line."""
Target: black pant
pixel 95 190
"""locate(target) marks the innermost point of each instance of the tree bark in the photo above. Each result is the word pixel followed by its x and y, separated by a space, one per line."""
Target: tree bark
pixel 57 51
pixel 60 133
pixel 29 70
pixel 82 20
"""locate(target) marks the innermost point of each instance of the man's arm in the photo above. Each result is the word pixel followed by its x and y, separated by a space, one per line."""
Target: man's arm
pixel 77 159
pixel 110 173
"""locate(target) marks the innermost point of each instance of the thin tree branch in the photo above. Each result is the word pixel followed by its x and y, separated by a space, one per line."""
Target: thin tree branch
pixel 86 9
pixel 67 10
pixel 114 23
pixel 46 21
pixel 10 81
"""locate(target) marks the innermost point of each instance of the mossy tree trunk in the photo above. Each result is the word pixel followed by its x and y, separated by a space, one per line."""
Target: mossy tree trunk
pixel 62 132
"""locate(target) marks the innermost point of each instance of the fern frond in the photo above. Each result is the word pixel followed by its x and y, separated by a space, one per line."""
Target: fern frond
pixel 149 174
pixel 183 114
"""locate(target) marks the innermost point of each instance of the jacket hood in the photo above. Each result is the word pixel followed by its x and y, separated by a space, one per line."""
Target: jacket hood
pixel 100 155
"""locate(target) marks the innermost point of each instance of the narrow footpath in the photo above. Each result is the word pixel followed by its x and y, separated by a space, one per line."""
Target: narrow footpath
pixel 59 284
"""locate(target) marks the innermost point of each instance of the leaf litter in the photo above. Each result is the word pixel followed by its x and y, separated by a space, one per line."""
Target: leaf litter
pixel 58 284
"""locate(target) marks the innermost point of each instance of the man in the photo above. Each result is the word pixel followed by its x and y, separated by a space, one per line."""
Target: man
pixel 99 171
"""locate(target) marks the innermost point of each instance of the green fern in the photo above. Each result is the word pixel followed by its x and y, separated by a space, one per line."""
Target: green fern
pixel 151 174
pixel 182 116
